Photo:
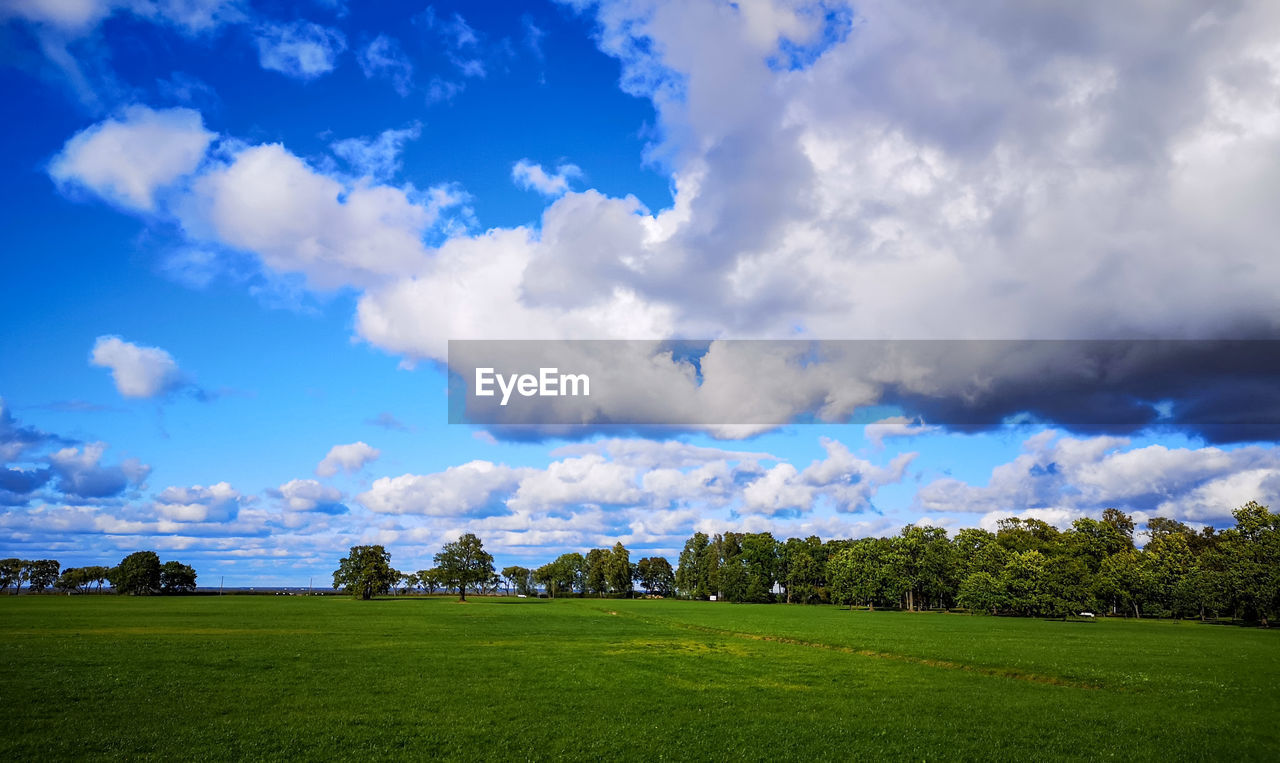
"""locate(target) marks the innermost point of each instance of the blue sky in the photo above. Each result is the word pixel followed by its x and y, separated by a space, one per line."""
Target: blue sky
pixel 237 237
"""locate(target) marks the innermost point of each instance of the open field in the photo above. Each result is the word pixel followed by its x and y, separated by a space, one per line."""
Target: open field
pixel 272 677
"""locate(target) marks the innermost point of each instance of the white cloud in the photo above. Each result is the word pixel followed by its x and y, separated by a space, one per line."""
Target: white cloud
pixel 128 160
pixel 457 491
pixel 379 157
pixel 138 371
pixel 270 202
pixel 894 426
pixel 216 503
pixel 383 57
pixel 845 480
pixel 308 496
pixel 350 458
pixel 533 177
pixel 79 17
pixel 81 474
pixel 1075 476
pixel 302 50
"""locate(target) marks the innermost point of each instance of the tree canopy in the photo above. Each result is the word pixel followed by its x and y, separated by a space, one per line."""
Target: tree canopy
pixel 463 563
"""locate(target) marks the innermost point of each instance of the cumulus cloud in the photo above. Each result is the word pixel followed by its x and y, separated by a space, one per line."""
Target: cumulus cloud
pixel 81 475
pixel 462 490
pixel 297 220
pixel 349 458
pixel 1073 476
pixel 302 49
pixel 533 177
pixel 377 158
pixel 846 481
pixel 841 174
pixel 216 503
pixel 309 496
pixel 384 58
pixel 128 160
pixel 138 371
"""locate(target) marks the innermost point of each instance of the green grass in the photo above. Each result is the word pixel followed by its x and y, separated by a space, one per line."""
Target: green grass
pixel 285 677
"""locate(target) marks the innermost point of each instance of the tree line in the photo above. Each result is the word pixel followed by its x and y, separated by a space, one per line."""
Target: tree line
pixel 1026 567
pixel 140 573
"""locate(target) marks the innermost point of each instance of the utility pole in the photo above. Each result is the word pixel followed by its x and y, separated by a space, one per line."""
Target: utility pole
pixel 220 581
pixel 309 582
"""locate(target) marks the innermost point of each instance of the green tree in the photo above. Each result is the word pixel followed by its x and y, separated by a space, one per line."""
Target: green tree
pixel 1024 581
pixel 176 577
pixel 619 570
pixel 13 573
pixel 42 574
pixel 138 574
pixel 429 580
pixel 365 572
pixel 656 575
pixel 518 578
pixel 464 562
pixel 981 591
pixel 690 579
pixel 596 571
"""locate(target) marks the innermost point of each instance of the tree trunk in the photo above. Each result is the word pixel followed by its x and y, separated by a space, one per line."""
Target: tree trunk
pixel 462 592
pixel 1136 613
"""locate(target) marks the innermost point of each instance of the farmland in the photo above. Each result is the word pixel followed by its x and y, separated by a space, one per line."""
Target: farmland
pixel 272 677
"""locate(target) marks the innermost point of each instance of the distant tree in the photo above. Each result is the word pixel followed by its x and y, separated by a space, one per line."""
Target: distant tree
pixel 176 577
pixel 691 579
pixel 13 573
pixel 138 574
pixel 981 592
pixel 1066 586
pixel 365 572
pixel 1252 569
pixel 96 575
pixel 656 575
pixel 802 569
pixel 1023 580
pixel 464 562
pixel 596 567
pixel 619 570
pixel 430 580
pixel 71 579
pixel 42 574
pixel 518 579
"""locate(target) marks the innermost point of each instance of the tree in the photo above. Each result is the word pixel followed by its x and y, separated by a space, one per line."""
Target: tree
pixel 71 579
pixel 96 574
pixel 596 571
pixel 42 574
pixel 176 577
pixel 619 570
pixel 13 572
pixel 464 562
pixel 138 574
pixel 691 579
pixel 365 572
pixel 656 575
pixel 981 592
pixel 429 580
pixel 518 578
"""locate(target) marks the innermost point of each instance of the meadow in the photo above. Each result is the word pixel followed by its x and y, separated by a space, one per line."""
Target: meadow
pixel 428 677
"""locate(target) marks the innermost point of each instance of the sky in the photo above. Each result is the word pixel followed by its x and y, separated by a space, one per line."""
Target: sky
pixel 237 238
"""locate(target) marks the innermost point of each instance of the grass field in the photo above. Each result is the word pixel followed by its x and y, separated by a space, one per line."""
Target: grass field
pixel 276 677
